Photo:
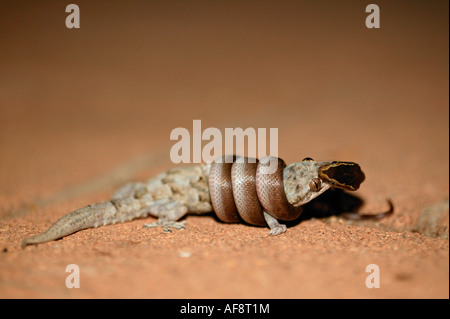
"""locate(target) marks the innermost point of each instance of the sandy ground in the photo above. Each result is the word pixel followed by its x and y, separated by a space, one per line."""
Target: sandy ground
pixel 83 111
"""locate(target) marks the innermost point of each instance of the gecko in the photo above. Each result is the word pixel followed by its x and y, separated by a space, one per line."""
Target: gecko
pixel 184 190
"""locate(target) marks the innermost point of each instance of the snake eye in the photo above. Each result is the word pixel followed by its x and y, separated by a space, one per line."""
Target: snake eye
pixel 307 159
pixel 315 184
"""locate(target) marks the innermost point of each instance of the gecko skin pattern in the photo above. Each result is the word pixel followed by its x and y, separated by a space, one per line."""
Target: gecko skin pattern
pixel 236 191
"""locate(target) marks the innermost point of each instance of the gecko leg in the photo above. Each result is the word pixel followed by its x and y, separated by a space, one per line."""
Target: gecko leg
pixel 275 227
pixel 168 212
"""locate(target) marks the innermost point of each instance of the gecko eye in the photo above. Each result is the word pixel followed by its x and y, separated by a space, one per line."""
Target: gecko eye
pixel 315 184
pixel 307 159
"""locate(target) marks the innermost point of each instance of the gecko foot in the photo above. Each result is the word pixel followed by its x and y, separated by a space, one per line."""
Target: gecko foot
pixel 278 229
pixel 275 227
pixel 167 225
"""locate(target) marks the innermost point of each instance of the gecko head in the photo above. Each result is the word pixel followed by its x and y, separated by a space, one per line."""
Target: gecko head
pixel 308 179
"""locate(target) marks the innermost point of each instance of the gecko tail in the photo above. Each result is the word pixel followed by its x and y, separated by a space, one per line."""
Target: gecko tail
pixel 87 217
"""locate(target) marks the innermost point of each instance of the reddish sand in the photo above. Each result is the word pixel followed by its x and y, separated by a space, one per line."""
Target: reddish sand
pixel 83 111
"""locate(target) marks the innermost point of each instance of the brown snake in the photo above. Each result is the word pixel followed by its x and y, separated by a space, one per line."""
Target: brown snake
pixel 240 188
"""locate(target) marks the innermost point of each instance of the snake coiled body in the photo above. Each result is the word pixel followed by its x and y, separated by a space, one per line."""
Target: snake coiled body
pixel 242 187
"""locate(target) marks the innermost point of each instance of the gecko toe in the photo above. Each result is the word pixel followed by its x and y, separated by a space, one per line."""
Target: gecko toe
pixel 167 225
pixel 277 230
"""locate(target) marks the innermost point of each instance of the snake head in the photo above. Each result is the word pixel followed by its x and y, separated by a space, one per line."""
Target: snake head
pixel 306 180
